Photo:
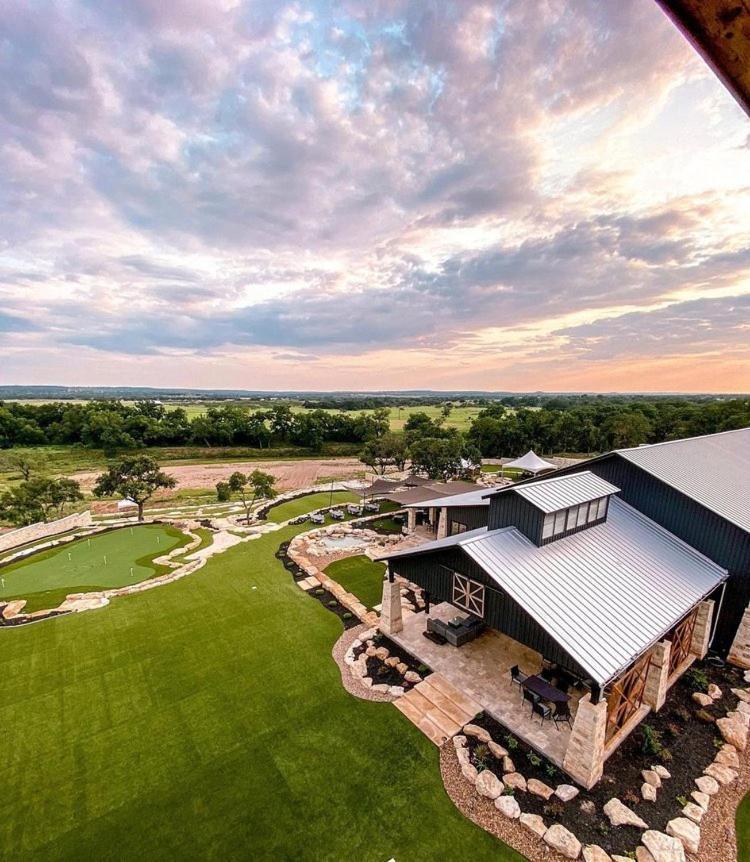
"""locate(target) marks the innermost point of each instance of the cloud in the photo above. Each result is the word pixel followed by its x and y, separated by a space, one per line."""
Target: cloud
pixel 341 180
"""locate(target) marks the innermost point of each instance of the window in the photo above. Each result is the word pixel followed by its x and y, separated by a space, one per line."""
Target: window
pixel 583 510
pixel 468 594
pixel 548 527
pixel 602 508
pixel 560 522
pixel 572 518
pixel 593 509
pixel 456 528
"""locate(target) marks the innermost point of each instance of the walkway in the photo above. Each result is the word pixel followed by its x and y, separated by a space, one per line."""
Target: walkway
pixel 437 708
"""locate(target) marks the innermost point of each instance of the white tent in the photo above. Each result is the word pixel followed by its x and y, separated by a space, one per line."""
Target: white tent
pixel 530 463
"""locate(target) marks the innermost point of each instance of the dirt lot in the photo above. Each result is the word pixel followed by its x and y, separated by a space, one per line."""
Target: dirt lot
pixel 290 475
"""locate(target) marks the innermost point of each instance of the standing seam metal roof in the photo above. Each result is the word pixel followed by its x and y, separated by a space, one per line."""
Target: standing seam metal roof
pixel 560 492
pixel 713 470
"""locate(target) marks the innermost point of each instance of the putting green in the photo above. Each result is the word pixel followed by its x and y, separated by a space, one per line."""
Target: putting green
pixel 359 575
pixel 104 561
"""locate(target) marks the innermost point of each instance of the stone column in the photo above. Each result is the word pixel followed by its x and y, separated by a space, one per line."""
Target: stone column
pixel 391 619
pixel 584 758
pixel 655 692
pixel 739 652
pixel 442 525
pixel 702 630
pixel 411 523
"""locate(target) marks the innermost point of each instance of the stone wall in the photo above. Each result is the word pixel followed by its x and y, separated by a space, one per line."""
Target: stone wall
pixel 33 532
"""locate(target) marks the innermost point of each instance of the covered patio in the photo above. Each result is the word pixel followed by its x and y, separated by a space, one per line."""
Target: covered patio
pixel 481 670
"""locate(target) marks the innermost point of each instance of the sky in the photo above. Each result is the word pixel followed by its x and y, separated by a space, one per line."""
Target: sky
pixel 369 195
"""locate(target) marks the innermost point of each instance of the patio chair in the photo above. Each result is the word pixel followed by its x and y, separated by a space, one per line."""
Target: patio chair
pixel 532 698
pixel 517 676
pixel 562 713
pixel 543 710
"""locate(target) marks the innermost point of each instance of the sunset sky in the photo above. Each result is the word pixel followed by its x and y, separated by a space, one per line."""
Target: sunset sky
pixel 369 195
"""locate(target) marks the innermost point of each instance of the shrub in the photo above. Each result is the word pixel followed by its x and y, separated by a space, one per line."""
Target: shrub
pixel 319 591
pixel 651 740
pixel 422 668
pixel 697 679
pixel 333 603
pixel 223 492
pixel 481 756
pixel 346 616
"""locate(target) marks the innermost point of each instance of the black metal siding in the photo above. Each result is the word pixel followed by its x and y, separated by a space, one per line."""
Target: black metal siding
pixel 433 572
pixel 511 510
pixel 471 517
pixel 721 541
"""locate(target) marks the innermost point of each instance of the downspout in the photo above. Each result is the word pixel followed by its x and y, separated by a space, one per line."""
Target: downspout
pixel 717 614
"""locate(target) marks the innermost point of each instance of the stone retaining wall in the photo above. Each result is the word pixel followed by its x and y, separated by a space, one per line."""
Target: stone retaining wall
pixel 41 530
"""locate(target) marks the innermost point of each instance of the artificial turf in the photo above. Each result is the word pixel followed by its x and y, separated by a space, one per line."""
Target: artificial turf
pixel 308 503
pixel 206 720
pixel 103 561
pixel 742 827
pixel 359 575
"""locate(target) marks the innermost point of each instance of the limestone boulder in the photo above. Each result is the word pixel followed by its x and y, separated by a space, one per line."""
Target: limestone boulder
pixel 714 692
pixel 514 780
pixel 693 812
pixel 392 661
pixel 477 732
pixel 742 694
pixel 396 690
pixel 371 650
pixel 643 855
pixel 701 799
pixel 651 777
pixel 743 708
pixel 728 757
pixel 508 806
pixel 664 848
pixel 381 686
pixel 534 823
pixel 412 676
pixel 620 815
pixel 402 668
pixel 496 750
pixel 594 853
pixel 459 741
pixel 733 731
pixel 648 792
pixel 489 785
pixel 382 653
pixel 707 784
pixel 508 765
pixel 702 699
pixel 686 831
pixel 723 774
pixel 566 792
pixel 539 788
pixel 563 840
pixel 661 771
pixel 469 772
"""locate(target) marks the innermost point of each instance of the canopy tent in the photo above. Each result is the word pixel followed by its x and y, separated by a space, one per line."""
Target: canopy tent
pixel 530 463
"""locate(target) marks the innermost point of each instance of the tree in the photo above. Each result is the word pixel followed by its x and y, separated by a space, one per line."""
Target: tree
pixel 135 479
pixel 223 492
pixel 444 458
pixel 383 452
pixel 37 499
pixel 256 486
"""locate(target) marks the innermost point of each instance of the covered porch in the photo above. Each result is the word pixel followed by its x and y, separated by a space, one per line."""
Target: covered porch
pixel 481 670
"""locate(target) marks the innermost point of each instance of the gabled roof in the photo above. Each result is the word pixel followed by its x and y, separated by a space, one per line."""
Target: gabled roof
pixel 477 497
pixel 531 463
pixel 713 470
pixel 560 492
pixel 605 594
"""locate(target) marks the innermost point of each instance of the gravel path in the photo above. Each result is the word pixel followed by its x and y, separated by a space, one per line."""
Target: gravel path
pixel 347 680
pixel 718 837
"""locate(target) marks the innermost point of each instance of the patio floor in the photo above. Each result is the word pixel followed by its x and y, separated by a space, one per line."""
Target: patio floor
pixel 481 670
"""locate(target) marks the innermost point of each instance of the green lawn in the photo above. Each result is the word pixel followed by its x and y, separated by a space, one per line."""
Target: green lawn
pixel 206 539
pixel 293 508
pixel 206 720
pixel 742 825
pixel 359 575
pixel 105 561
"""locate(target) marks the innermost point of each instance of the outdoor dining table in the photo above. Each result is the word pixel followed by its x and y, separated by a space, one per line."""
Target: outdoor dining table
pixel 544 690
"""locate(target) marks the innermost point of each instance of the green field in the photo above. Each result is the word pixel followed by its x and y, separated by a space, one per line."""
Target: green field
pixel 104 561
pixel 206 720
pixel 359 575
pixel 308 503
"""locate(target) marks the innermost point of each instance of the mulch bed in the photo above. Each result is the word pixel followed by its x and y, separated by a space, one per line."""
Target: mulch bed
pixel 380 672
pixel 687 745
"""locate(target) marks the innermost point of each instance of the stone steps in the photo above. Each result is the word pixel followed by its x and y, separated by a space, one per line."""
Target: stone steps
pixel 437 708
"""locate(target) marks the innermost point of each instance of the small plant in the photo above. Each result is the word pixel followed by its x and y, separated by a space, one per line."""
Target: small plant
pixel 665 755
pixel 674 729
pixel 550 769
pixel 603 827
pixel 718 743
pixel 422 668
pixel 704 715
pixel 319 591
pixel 697 679
pixel 383 670
pixel 346 616
pixel 651 740
pixel 553 809
pixel 682 801
pixel 481 756
pixel 533 758
pixel 511 742
pixel 333 603
pixel 509 791
pixel 631 796
pixel 683 713
pixel 377 638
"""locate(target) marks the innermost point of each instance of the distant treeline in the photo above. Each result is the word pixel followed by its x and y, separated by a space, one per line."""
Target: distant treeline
pixel 114 426
pixel 600 425
pixel 586 425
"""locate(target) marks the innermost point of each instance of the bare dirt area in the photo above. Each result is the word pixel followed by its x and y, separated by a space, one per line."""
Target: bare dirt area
pixel 290 475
